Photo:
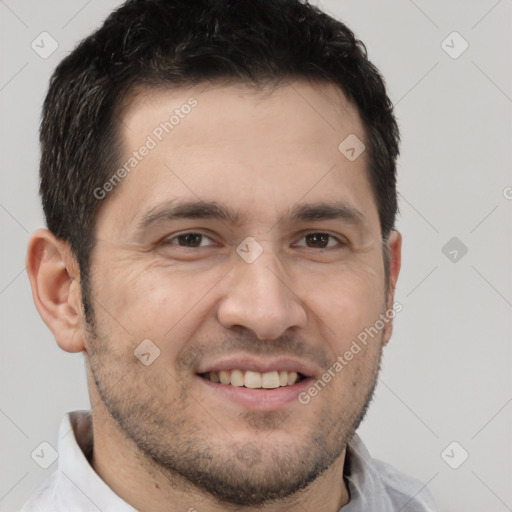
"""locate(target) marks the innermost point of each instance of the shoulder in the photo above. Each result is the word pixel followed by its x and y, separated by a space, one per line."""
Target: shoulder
pixel 42 498
pixel 410 492
pixel 374 483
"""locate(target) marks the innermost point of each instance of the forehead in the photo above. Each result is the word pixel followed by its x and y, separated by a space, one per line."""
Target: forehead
pixel 260 151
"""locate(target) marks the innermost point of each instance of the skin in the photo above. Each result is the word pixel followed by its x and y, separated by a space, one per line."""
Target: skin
pixel 161 435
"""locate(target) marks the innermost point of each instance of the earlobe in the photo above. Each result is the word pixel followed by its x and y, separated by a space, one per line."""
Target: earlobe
pixel 395 259
pixel 55 283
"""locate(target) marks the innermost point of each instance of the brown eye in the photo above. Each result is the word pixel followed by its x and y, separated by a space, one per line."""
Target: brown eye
pixel 319 241
pixel 189 240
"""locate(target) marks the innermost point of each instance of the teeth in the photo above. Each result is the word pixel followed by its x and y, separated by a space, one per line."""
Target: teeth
pixel 237 378
pixel 254 380
pixel 292 378
pixel 270 380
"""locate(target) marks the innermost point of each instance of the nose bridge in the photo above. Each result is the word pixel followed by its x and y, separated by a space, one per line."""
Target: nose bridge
pixel 265 279
pixel 258 296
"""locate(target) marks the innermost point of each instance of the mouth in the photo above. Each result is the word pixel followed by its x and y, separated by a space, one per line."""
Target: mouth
pixel 255 384
pixel 254 380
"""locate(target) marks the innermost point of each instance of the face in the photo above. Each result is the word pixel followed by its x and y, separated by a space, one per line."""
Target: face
pixel 244 247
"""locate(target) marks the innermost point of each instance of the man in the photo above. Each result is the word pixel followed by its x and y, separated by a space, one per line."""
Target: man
pixel 218 179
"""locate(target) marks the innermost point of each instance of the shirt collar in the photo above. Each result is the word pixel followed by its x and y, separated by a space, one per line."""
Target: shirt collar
pixel 75 445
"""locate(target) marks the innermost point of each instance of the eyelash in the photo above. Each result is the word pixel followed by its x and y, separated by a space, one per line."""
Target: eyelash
pixel 168 241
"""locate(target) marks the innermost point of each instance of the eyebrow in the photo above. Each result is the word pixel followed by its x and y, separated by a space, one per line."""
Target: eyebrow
pixel 213 210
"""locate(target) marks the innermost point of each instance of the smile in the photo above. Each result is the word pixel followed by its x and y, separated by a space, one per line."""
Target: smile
pixel 255 383
pixel 253 379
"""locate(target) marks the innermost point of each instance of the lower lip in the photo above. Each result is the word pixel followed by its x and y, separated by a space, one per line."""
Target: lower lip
pixel 260 399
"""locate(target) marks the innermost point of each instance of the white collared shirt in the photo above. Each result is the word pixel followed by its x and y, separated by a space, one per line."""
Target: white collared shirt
pixel 75 486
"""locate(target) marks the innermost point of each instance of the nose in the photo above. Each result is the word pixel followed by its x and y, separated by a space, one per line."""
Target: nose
pixel 258 297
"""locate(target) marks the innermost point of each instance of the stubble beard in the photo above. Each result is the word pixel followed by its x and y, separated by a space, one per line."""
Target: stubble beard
pixel 251 473
pixel 238 473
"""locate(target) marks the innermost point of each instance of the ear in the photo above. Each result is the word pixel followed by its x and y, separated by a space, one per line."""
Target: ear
pixel 55 281
pixel 395 258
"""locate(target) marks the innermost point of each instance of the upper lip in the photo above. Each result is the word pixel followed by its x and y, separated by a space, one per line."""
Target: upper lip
pixel 258 365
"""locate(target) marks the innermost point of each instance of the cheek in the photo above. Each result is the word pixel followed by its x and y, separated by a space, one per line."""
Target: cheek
pixel 165 303
pixel 152 301
pixel 347 300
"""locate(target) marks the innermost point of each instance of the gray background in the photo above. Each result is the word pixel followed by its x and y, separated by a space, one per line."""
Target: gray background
pixel 447 370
